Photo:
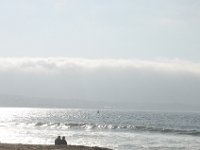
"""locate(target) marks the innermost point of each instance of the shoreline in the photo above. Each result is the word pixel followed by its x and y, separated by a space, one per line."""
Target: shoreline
pixel 9 146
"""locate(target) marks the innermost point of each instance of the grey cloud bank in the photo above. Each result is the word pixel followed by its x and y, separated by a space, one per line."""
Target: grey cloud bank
pixel 121 83
pixel 61 64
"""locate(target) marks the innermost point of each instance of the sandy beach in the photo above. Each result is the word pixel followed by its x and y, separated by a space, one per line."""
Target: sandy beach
pixel 47 147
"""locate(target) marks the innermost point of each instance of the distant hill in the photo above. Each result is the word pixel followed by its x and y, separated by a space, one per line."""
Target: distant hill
pixel 25 101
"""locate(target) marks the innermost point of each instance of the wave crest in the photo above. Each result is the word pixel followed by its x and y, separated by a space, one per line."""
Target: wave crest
pixel 128 127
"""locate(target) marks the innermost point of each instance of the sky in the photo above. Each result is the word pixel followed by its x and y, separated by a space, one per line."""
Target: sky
pixel 131 51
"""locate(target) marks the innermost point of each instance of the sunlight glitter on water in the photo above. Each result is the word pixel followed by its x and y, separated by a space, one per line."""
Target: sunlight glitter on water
pixel 132 130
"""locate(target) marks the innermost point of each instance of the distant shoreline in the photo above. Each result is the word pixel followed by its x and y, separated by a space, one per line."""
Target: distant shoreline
pixel 7 146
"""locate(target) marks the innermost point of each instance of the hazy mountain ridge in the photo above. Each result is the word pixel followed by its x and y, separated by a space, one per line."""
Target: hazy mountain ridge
pixel 25 101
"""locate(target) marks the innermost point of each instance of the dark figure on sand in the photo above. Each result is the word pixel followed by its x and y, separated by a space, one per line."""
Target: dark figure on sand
pixel 58 141
pixel 63 141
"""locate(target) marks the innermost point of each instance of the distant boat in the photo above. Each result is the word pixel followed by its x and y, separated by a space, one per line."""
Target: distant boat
pixel 98 112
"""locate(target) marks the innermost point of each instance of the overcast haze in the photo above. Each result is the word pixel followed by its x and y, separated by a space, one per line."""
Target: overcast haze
pixel 114 53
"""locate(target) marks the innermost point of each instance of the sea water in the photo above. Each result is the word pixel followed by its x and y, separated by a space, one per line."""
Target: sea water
pixel 115 129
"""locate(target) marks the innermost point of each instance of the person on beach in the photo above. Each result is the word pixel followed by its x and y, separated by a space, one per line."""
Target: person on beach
pixel 58 141
pixel 63 141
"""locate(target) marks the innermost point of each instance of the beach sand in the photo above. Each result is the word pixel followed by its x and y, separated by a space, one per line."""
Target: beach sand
pixel 46 147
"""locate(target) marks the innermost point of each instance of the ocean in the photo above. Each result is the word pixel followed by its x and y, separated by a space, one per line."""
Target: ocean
pixel 115 129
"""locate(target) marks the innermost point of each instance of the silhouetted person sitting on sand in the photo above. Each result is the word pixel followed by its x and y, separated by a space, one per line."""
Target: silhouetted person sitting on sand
pixel 63 141
pixel 58 141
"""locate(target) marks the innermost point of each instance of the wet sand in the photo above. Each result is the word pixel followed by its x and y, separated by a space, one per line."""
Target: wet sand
pixel 47 147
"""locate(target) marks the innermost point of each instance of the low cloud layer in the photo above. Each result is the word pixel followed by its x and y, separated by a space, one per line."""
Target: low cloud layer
pixel 121 82
pixel 48 65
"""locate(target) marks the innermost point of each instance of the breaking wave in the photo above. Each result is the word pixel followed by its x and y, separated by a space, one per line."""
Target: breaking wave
pixel 129 128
